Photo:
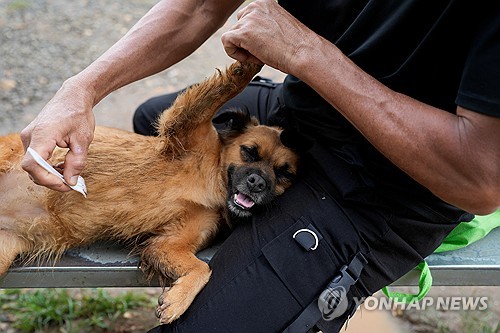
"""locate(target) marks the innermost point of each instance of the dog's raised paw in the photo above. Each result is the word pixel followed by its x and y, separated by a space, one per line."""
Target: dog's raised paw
pixel 238 71
pixel 243 69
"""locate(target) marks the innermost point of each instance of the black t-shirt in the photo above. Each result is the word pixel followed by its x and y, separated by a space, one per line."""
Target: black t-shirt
pixel 443 52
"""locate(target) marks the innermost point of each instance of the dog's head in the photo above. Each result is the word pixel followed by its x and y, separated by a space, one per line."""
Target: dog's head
pixel 259 167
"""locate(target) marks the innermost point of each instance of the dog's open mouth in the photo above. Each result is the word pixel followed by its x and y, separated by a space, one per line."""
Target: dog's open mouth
pixel 243 201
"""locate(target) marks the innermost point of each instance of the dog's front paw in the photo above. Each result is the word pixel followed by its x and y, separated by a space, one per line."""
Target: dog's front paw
pixel 171 305
pixel 174 301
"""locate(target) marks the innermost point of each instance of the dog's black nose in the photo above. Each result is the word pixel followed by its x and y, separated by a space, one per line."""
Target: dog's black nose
pixel 256 183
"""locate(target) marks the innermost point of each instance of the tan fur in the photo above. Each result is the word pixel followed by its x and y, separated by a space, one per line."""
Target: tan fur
pixel 163 195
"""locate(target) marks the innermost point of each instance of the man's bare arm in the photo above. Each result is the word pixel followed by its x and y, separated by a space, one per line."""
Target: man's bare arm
pixel 455 156
pixel 170 31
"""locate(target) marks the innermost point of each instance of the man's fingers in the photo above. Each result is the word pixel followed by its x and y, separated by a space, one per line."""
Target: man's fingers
pixel 40 176
pixel 26 137
pixel 242 55
pixel 74 164
pixel 236 53
pixel 242 12
pixel 233 48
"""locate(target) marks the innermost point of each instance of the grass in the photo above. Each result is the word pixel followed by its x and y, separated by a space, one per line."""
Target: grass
pixel 95 310
pixel 92 310
pixel 19 5
pixel 472 324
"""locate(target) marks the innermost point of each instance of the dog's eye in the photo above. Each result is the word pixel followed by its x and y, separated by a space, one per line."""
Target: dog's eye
pixel 283 173
pixel 249 153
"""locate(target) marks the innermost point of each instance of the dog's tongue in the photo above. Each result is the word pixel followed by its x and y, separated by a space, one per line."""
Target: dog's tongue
pixel 243 201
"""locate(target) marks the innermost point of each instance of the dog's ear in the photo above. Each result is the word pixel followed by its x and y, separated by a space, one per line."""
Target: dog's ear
pixel 233 122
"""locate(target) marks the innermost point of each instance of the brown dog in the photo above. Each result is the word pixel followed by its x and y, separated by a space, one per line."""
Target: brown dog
pixel 166 196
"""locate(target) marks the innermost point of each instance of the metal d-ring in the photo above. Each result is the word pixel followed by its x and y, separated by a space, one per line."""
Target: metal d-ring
pixel 312 233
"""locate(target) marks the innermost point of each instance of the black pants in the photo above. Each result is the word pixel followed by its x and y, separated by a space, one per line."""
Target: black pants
pixel 263 278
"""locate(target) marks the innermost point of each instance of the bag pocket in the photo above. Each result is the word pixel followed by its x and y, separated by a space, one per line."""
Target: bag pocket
pixel 306 273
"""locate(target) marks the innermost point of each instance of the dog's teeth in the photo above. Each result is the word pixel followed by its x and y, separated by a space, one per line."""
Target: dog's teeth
pixel 243 201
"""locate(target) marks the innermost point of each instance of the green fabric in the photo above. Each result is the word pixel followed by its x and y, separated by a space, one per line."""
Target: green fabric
pixel 464 234
pixel 468 232
pixel 424 285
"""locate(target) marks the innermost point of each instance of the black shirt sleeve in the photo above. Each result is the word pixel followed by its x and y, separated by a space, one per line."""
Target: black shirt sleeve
pixel 480 85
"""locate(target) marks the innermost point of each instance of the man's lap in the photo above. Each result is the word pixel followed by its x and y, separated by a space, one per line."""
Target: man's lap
pixel 262 278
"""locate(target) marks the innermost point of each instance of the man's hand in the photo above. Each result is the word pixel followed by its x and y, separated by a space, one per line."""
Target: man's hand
pixel 267 33
pixel 66 121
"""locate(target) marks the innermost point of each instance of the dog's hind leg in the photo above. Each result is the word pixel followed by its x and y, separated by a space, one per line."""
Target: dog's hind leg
pixel 11 245
pixel 188 120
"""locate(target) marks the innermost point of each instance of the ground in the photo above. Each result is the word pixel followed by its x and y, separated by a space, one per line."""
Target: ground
pixel 43 42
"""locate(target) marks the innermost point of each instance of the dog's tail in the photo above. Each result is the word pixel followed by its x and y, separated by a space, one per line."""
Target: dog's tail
pixel 198 104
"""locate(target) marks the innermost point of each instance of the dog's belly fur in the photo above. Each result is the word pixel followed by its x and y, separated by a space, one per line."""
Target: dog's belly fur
pixel 126 181
pixel 21 201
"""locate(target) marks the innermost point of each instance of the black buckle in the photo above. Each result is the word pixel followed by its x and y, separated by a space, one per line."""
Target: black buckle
pixel 337 289
pixel 332 302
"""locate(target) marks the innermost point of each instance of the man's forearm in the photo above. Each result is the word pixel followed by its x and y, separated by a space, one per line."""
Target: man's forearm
pixel 169 32
pixel 446 153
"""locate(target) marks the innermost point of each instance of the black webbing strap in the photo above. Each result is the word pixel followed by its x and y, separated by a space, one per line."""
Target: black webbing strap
pixel 332 299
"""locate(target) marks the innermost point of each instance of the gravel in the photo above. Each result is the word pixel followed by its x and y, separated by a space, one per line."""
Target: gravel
pixel 43 42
